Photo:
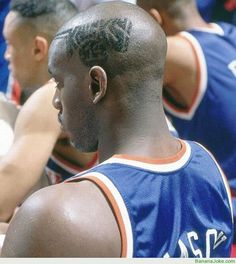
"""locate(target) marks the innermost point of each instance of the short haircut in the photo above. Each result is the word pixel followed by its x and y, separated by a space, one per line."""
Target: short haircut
pixel 120 43
pixel 46 16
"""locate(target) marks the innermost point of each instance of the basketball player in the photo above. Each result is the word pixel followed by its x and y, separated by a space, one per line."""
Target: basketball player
pixel 153 195
pixel 200 77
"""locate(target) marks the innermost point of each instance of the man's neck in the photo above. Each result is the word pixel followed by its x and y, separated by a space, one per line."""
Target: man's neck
pixel 145 136
pixel 187 22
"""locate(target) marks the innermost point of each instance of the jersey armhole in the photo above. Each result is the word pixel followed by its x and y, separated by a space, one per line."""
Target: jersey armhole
pixel 118 207
pixel 201 84
pixel 224 179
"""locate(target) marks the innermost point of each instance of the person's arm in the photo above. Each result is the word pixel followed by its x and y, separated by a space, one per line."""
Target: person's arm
pixel 36 132
pixel 64 220
pixel 181 76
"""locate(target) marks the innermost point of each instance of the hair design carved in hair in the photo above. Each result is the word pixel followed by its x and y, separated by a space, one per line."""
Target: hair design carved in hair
pixel 96 40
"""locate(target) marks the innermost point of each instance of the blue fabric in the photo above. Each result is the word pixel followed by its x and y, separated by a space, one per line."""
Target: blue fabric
pixel 184 205
pixel 56 173
pixel 213 123
pixel 4 73
pixel 205 8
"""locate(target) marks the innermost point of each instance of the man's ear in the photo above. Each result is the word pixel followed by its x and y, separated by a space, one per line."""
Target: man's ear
pixel 98 85
pixel 41 46
pixel 156 15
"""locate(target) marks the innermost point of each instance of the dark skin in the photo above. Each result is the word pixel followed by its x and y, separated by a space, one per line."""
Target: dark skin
pixel 180 59
pixel 83 216
pixel 75 219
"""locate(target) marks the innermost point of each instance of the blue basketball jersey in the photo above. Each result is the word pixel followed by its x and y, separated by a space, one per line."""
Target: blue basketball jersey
pixel 211 118
pixel 173 207
pixel 58 170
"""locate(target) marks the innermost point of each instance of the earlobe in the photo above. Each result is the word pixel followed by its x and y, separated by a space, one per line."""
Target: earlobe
pixel 156 15
pixel 40 48
pixel 98 85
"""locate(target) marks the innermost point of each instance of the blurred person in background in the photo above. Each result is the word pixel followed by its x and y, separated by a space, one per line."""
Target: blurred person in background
pixel 218 10
pixel 152 195
pixel 29 29
pixel 199 81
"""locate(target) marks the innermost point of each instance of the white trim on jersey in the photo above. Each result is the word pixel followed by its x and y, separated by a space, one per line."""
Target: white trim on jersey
pixel 202 84
pixel 120 203
pixel 214 29
pixel 223 178
pixel 166 167
pixel 63 166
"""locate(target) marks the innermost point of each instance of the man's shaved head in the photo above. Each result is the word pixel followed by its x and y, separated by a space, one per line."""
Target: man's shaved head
pixel 116 36
pixel 108 61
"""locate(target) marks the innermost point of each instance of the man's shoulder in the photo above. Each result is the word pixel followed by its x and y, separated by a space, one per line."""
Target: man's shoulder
pixel 75 215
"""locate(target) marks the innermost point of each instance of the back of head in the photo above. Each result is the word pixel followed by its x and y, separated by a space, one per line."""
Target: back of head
pixel 117 50
pixel 120 37
pixel 173 7
pixel 46 16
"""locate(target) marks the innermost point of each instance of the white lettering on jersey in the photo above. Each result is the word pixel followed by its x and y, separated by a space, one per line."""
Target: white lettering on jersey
pixel 196 252
pixel 232 67
pixel 213 240
pixel 183 249
pixel 218 239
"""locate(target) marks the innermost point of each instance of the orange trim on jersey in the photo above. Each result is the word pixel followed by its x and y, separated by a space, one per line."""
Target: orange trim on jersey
pixel 76 167
pixel 167 160
pixel 198 79
pixel 93 161
pixel 114 207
